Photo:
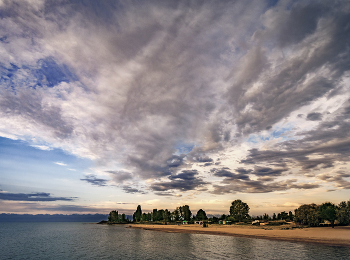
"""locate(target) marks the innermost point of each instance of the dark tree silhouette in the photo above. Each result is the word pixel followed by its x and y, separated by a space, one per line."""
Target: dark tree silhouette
pixel 239 210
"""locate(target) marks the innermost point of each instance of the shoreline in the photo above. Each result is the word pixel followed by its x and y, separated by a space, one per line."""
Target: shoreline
pixel 338 236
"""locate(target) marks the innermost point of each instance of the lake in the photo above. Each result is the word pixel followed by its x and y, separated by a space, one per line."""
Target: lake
pixel 89 241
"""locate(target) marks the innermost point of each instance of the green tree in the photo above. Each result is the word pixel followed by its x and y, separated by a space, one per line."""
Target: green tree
pixel 138 214
pixel 343 213
pixel 239 210
pixel 175 215
pixel 291 216
pixel 283 215
pixel 155 215
pixel 201 215
pixel 308 214
pixel 113 217
pixel 185 213
pixel 214 219
pixel 328 212
pixel 160 214
pixel 145 217
pixel 222 217
pixel 166 215
pixel 274 216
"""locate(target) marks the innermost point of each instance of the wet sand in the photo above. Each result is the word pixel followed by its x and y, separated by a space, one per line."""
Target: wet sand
pixel 323 235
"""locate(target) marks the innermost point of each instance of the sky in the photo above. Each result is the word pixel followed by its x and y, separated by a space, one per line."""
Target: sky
pixel 106 105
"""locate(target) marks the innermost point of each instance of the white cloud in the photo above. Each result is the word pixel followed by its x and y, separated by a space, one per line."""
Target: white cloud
pixel 60 163
pixel 42 147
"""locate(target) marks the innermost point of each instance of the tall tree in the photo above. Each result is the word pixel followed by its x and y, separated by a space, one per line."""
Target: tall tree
pixel 138 214
pixel 155 215
pixel 185 213
pixel 343 213
pixel 291 216
pixel 175 215
pixel 328 212
pixel 166 215
pixel 201 215
pixel 113 217
pixel 239 210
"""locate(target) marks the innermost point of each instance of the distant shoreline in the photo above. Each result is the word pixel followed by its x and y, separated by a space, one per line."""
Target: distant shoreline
pixel 338 236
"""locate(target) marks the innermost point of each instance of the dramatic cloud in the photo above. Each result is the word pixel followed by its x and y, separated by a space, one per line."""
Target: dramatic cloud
pixel 157 93
pixel 314 117
pixel 261 186
pixel 339 179
pixel 224 172
pixel 184 181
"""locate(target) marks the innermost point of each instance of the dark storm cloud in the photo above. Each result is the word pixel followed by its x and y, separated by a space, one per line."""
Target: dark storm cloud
pixel 243 171
pixel 241 182
pixel 329 141
pixel 261 186
pixel 32 197
pixel 184 181
pixel 92 179
pixel 207 164
pixel 281 91
pixel 224 172
pixel 132 190
pixel 314 117
pixel 298 152
pixel 175 161
pixel 301 22
pixel 267 171
pixel 204 159
pixel 339 178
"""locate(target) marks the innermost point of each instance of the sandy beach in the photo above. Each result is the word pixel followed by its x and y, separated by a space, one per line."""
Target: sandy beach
pixel 323 235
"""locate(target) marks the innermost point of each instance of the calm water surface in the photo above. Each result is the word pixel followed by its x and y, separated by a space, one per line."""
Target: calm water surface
pixel 88 241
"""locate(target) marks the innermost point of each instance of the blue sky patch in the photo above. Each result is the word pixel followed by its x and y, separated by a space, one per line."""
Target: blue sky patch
pixel 51 74
pixel 183 148
pixel 47 73
pixel 276 133
pixel 19 158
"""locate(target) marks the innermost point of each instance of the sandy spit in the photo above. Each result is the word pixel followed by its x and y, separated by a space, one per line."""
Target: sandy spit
pixel 339 236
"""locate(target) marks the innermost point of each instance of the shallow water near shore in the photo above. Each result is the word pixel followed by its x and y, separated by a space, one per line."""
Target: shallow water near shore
pixel 90 241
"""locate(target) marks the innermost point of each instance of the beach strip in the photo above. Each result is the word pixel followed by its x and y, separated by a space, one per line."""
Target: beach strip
pixel 339 236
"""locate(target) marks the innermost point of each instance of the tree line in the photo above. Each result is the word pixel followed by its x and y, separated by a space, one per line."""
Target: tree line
pixel 308 214
pixel 182 213
pixel 313 215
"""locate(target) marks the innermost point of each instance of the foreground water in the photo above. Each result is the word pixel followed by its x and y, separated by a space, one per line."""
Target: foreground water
pixel 89 241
